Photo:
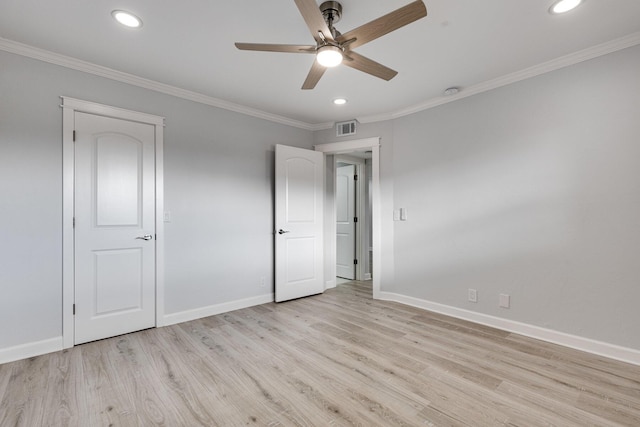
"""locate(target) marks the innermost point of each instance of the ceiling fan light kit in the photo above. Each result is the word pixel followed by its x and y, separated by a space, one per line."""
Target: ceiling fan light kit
pixel 329 56
pixel 333 48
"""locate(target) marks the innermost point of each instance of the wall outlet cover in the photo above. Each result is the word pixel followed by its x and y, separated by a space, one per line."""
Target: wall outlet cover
pixel 505 300
pixel 473 295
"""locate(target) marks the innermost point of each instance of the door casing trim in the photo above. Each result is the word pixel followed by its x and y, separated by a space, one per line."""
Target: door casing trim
pixel 69 107
pixel 345 147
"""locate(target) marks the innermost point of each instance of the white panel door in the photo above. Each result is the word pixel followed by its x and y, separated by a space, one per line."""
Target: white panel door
pixel 298 220
pixel 345 224
pixel 114 227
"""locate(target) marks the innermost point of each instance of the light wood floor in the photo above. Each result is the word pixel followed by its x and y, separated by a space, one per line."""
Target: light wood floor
pixel 335 359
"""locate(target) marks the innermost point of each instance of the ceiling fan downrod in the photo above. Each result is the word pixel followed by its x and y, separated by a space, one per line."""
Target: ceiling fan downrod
pixel 332 12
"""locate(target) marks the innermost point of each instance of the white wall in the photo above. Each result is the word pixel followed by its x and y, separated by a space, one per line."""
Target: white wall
pixel 218 187
pixel 532 190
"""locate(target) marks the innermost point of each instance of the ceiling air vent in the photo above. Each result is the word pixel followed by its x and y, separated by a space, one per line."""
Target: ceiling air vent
pixel 346 128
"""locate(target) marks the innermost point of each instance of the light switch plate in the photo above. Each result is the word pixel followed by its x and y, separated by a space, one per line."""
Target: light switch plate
pixel 403 214
pixel 167 216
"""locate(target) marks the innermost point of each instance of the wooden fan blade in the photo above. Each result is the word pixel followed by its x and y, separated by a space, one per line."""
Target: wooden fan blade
pixel 314 75
pixel 368 66
pixel 289 48
pixel 313 17
pixel 385 24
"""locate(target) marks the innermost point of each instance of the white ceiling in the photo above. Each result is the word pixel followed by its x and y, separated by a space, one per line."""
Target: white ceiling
pixel 190 45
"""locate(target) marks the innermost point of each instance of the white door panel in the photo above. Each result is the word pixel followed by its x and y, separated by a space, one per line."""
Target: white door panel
pixel 118 165
pixel 345 225
pixel 300 251
pixel 118 284
pixel 114 210
pixel 298 218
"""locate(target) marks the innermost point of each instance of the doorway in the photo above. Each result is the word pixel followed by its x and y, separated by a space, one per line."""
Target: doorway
pixel 331 151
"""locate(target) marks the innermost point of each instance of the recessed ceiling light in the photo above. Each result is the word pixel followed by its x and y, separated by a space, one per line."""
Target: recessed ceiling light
pixel 563 6
pixel 339 101
pixel 127 19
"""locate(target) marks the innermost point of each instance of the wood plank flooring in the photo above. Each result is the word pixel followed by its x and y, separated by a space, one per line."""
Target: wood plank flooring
pixel 335 359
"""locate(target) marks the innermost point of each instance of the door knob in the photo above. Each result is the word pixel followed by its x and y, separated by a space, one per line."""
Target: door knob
pixel 281 231
pixel 145 237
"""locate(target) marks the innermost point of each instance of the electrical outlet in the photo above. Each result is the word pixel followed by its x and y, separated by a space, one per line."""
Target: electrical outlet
pixel 263 282
pixel 505 300
pixel 473 295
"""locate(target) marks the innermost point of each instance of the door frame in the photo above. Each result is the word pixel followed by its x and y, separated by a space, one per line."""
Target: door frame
pixel 345 147
pixel 361 251
pixel 69 107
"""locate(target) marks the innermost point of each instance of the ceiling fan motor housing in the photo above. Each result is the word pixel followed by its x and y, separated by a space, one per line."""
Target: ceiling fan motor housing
pixel 332 12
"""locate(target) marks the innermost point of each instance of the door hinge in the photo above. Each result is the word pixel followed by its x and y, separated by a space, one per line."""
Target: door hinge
pixel 355 219
pixel 74 222
pixel 74 136
pixel 74 309
pixel 355 177
pixel 355 262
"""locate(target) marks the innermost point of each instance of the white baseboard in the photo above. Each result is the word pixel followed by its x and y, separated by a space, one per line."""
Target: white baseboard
pixel 212 310
pixel 24 351
pixel 600 348
pixel 330 284
pixel 367 276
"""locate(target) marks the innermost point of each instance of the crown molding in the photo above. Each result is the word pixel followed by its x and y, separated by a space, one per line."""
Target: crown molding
pixel 546 67
pixel 109 73
pixel 98 70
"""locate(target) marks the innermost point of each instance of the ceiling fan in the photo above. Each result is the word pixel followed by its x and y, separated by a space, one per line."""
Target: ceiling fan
pixel 332 47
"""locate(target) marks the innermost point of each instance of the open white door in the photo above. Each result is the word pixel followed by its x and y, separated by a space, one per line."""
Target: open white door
pixel 345 222
pixel 298 220
pixel 114 227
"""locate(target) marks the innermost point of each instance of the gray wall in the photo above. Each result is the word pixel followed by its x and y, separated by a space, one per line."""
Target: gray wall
pixel 530 190
pixel 218 187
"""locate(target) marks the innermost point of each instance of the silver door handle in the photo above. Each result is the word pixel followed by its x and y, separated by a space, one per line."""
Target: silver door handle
pixel 281 231
pixel 145 237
